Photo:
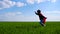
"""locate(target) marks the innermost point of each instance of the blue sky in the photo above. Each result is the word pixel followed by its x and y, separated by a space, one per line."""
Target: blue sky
pixel 23 10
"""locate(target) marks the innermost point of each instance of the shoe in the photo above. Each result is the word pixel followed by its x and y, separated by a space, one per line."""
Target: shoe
pixel 44 25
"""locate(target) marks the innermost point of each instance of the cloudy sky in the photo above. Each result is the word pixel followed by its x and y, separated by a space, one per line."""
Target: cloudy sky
pixel 23 10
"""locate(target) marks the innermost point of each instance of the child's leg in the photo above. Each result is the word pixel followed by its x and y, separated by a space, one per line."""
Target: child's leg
pixel 41 22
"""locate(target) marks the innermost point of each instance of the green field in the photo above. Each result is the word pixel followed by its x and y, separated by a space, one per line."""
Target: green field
pixel 29 28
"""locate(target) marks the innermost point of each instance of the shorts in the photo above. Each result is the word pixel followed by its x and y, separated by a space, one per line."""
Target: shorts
pixel 43 21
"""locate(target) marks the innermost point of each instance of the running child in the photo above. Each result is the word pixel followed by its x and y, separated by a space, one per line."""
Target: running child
pixel 41 17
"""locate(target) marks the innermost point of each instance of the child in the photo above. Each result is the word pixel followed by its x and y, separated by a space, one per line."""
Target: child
pixel 41 17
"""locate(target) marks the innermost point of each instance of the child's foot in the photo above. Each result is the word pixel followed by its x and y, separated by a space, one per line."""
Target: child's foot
pixel 43 24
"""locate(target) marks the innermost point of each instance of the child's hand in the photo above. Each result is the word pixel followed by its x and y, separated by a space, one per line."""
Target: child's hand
pixel 35 11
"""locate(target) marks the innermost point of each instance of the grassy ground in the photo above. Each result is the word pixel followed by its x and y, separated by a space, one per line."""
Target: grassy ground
pixel 29 28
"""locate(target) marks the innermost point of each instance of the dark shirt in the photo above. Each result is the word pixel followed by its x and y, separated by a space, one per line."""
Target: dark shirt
pixel 40 16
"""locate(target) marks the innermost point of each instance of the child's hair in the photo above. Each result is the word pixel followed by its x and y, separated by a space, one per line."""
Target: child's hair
pixel 38 11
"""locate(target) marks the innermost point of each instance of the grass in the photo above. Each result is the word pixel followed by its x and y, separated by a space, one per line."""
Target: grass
pixel 29 28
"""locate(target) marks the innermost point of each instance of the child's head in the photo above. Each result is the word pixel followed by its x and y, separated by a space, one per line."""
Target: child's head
pixel 38 11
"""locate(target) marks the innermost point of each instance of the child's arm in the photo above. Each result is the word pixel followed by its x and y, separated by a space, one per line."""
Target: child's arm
pixel 36 13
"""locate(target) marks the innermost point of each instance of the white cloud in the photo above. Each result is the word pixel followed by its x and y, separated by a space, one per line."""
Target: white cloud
pixel 6 4
pixel 9 3
pixel 12 13
pixel 11 16
pixel 39 1
pixel 6 0
pixel 31 1
pixel 19 18
pixel 51 17
pixel 53 1
pixel 16 16
pixel 53 12
pixel 20 4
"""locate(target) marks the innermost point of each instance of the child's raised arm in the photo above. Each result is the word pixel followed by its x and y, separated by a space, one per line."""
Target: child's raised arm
pixel 36 13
